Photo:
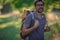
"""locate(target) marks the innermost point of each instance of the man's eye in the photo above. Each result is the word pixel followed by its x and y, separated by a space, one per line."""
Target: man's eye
pixel 40 5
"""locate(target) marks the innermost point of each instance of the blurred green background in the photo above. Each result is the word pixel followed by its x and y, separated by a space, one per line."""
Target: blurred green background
pixel 10 18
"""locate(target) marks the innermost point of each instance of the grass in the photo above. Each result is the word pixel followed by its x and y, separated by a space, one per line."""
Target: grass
pixel 11 30
pixel 9 33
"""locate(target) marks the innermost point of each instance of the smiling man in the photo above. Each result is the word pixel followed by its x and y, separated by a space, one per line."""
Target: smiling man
pixel 36 32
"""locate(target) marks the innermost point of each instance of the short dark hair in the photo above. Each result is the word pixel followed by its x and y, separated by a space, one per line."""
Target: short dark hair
pixel 38 1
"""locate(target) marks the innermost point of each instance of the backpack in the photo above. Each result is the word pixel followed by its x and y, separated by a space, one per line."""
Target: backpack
pixel 32 21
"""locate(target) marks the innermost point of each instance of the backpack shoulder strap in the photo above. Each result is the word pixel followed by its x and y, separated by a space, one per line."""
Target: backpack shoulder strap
pixel 32 15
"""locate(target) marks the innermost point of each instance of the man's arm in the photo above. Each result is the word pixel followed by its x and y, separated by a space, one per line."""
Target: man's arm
pixel 26 30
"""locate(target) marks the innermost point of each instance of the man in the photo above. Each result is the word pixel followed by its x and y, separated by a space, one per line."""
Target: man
pixel 35 32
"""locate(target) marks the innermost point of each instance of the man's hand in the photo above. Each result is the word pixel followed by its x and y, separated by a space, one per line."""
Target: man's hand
pixel 46 28
pixel 36 25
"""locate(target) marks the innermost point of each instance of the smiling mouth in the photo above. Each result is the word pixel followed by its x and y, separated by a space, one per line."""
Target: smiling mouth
pixel 40 9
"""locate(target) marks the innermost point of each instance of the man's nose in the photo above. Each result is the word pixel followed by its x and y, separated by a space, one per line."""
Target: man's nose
pixel 41 6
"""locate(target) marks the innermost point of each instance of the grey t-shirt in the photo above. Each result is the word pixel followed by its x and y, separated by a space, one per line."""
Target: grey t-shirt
pixel 37 34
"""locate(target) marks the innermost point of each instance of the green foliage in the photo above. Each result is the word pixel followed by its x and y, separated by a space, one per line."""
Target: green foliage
pixel 50 2
pixel 57 26
pixel 19 4
pixel 10 32
pixel 23 3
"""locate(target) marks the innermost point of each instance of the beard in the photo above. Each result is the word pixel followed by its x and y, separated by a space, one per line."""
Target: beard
pixel 40 10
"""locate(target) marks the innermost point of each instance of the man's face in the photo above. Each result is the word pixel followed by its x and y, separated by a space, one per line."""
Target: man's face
pixel 39 7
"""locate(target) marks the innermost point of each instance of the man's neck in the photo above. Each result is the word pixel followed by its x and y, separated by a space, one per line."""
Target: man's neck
pixel 39 14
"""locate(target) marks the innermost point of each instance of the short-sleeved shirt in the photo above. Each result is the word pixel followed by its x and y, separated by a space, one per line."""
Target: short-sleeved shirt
pixel 37 34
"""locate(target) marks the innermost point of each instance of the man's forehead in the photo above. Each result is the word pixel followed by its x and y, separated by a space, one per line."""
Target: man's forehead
pixel 39 3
